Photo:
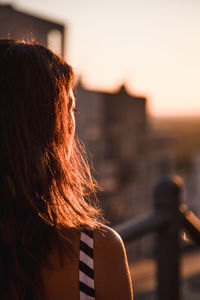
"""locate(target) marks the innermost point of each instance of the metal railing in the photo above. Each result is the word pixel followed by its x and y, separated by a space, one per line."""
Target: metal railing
pixel 170 216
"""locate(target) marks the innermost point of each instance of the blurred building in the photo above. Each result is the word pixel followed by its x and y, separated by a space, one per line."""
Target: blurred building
pixel 128 157
pixel 19 25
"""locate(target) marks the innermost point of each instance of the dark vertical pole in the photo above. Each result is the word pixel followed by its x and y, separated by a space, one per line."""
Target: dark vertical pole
pixel 167 198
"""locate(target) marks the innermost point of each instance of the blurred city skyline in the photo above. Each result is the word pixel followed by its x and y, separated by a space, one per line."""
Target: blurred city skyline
pixel 151 46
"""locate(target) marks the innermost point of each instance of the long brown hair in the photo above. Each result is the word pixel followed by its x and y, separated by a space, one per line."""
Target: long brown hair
pixel 45 183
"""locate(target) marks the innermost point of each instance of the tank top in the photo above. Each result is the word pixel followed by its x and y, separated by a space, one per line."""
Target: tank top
pixel 86 266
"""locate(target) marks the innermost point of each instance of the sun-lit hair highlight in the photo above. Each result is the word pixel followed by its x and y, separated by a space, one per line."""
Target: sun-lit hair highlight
pixel 46 163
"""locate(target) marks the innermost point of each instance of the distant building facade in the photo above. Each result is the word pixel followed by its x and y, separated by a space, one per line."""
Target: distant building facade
pixel 128 157
pixel 18 25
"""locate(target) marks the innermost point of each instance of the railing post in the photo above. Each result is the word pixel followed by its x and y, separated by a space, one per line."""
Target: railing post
pixel 167 198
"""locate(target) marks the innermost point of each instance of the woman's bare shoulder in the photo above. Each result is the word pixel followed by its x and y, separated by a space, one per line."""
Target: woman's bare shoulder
pixel 112 277
pixel 107 233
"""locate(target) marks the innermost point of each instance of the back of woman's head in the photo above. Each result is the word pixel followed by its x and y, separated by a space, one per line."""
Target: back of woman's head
pixel 45 182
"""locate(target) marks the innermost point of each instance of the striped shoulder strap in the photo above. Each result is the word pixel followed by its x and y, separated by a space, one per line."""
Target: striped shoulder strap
pixel 86 266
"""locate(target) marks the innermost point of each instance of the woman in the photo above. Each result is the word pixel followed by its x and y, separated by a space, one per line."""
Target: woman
pixel 52 241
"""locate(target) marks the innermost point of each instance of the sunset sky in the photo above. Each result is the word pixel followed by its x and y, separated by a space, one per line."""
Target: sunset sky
pixel 151 45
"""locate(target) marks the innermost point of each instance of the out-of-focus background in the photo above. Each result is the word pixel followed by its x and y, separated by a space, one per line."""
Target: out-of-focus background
pixel 137 67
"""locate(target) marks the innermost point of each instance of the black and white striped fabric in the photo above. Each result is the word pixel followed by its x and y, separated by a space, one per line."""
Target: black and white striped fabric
pixel 86 266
